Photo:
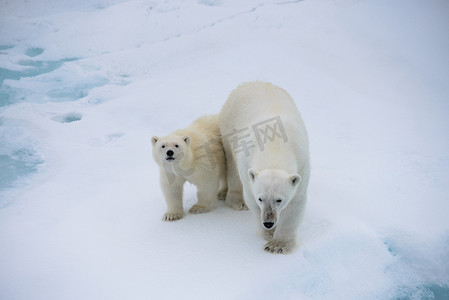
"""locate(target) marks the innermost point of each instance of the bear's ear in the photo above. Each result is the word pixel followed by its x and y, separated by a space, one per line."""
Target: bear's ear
pixel 186 139
pixel 294 179
pixel 252 174
pixel 154 140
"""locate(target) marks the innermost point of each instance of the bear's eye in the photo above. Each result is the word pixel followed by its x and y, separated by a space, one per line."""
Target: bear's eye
pixel 278 200
pixel 163 146
pixel 177 146
pixel 260 200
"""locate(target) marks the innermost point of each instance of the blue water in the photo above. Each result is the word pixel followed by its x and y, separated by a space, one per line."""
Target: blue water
pixel 5 47
pixel 68 118
pixel 69 91
pixel 418 291
pixel 23 162
pixel 20 163
pixel 429 292
pixel 32 52
pixel 35 68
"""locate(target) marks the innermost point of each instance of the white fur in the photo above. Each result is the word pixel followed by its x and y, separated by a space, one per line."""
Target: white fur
pixel 278 171
pixel 198 158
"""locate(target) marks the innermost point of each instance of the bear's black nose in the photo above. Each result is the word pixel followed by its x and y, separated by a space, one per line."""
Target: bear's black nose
pixel 268 224
pixel 170 153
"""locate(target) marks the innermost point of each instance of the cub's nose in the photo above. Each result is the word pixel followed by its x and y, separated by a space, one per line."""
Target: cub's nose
pixel 170 153
pixel 268 224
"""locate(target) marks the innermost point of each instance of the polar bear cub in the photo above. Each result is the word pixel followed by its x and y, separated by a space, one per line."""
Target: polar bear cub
pixel 194 154
pixel 267 155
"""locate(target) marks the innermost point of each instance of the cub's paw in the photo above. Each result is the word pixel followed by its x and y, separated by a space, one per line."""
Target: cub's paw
pixel 172 216
pixel 199 209
pixel 280 247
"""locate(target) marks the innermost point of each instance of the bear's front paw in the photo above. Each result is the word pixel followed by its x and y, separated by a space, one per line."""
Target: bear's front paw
pixel 199 209
pixel 278 247
pixel 267 234
pixel 172 216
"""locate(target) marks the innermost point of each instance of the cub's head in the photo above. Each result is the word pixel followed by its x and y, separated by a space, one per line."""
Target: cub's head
pixel 170 148
pixel 272 190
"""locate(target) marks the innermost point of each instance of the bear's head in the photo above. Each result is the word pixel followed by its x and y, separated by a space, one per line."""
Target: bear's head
pixel 273 191
pixel 170 148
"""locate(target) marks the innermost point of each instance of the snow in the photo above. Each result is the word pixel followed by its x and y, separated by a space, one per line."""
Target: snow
pixel 85 84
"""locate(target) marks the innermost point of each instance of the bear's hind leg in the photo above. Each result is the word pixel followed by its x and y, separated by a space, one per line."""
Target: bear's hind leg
pixel 234 197
pixel 222 194
pixel 222 188
pixel 207 195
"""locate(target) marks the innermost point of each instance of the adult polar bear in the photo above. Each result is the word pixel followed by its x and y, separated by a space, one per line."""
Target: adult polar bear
pixel 267 156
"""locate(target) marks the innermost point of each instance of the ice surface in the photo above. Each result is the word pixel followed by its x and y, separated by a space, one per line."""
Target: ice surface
pixel 85 84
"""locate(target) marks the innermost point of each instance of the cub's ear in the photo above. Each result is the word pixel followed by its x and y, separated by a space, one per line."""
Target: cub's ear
pixel 154 140
pixel 294 179
pixel 186 139
pixel 252 174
